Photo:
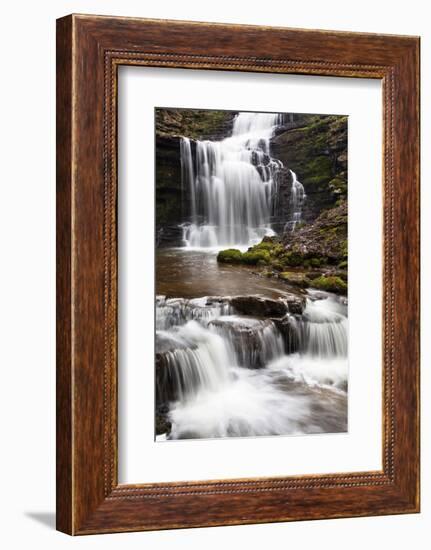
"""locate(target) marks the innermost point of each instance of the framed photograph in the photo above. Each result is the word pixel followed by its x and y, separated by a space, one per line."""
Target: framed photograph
pixel 237 274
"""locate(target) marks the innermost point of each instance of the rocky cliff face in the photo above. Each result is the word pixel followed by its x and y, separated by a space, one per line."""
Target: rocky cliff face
pixel 194 123
pixel 315 147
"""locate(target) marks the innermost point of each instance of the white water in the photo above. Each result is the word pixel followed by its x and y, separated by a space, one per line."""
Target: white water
pixel 231 184
pixel 211 362
pixel 297 198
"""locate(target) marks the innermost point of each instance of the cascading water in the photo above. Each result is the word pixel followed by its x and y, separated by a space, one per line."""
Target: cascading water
pixel 220 373
pixel 297 198
pixel 321 337
pixel 232 184
pixel 224 374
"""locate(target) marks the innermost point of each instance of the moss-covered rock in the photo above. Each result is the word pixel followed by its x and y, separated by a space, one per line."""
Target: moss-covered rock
pixel 261 254
pixel 323 242
pixel 294 278
pixel 292 258
pixel 330 284
pixel 194 123
pixel 255 257
pixel 229 256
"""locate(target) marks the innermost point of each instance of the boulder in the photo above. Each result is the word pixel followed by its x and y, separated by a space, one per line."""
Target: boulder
pixel 295 303
pixel 258 306
pixel 163 424
pixel 294 278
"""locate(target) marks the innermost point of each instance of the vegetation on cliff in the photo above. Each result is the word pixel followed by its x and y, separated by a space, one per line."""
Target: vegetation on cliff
pixel 194 123
pixel 314 255
pixel 315 147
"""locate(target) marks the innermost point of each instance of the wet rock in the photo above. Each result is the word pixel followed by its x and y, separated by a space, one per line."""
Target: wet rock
pixel 257 306
pixel 296 279
pixel 255 341
pixel 321 243
pixel 287 328
pixel 342 274
pixel 330 284
pixel 166 383
pixel 163 424
pixel 295 303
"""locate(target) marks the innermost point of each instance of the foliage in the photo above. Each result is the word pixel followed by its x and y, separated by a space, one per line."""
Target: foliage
pixel 231 255
pixel 330 284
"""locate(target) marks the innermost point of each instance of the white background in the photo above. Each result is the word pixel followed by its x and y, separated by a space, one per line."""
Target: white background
pixel 27 119
pixel 141 458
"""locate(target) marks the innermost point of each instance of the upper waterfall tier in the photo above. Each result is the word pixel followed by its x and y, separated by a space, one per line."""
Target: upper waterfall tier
pixel 231 184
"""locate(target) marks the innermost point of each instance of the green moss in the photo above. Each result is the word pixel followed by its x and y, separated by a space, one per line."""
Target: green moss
pixel 296 279
pixel 320 166
pixel 194 123
pixel 273 248
pixel 344 249
pixel 330 284
pixel 264 245
pixel 317 262
pixel 338 185
pixel 317 181
pixel 342 274
pixel 253 257
pixel 292 259
pixel 230 255
pixel 277 265
pixel 262 254
pixel 343 264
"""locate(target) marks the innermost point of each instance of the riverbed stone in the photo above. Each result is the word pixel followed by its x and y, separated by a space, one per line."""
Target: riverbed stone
pixel 294 278
pixel 258 306
pixel 247 336
pixel 163 424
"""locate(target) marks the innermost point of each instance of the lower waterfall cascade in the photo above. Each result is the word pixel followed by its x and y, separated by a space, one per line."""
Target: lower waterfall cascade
pixel 225 373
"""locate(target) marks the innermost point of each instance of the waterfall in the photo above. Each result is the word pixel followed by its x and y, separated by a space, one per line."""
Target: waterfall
pixel 187 172
pixel 199 360
pixel 225 374
pixel 231 184
pixel 320 335
pixel 177 311
pixel 321 330
pixel 297 198
pixel 256 342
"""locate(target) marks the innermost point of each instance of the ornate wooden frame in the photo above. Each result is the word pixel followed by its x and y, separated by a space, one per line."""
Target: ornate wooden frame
pixel 89 51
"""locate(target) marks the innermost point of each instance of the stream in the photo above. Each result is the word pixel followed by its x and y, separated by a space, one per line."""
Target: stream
pixel 239 354
pixel 231 373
